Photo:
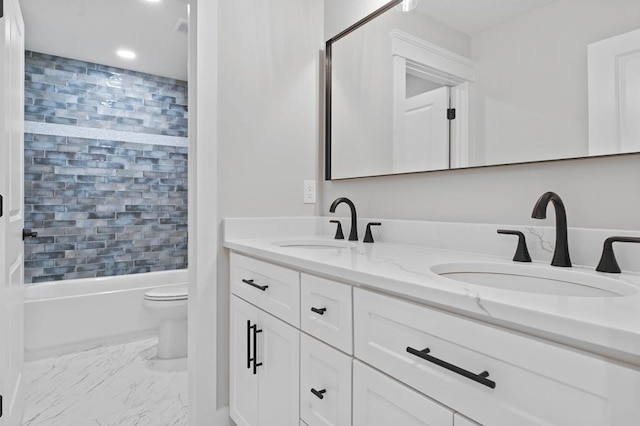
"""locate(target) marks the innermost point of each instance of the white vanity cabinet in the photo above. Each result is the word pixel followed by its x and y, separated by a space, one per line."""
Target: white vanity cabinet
pixel 264 357
pixel 264 367
pixel 379 400
pixel 278 375
pixel 460 420
pixel 493 376
pixel 312 351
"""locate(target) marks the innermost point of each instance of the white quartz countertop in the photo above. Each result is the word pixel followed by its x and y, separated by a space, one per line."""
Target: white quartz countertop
pixel 608 326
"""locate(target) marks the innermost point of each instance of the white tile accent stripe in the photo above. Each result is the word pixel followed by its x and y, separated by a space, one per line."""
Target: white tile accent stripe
pixel 104 134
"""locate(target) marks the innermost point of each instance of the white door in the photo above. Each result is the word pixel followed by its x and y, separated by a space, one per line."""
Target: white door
pixel 424 144
pixel 12 220
pixel 279 353
pixel 614 94
pixel 243 383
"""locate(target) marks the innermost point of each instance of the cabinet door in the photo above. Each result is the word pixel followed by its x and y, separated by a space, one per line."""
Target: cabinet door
pixel 278 348
pixel 381 401
pixel 325 384
pixel 243 384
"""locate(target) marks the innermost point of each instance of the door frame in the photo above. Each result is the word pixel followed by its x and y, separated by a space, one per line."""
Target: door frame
pixel 412 55
pixel 208 308
pixel 12 221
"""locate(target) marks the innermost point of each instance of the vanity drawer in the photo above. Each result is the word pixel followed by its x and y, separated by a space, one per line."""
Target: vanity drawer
pixel 270 287
pixel 328 372
pixel 381 401
pixel 460 420
pixel 536 382
pixel 326 311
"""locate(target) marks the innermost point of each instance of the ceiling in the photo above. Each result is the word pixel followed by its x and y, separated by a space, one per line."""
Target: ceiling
pixel 474 16
pixel 92 30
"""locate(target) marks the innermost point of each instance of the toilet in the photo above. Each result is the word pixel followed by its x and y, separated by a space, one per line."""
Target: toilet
pixel 168 306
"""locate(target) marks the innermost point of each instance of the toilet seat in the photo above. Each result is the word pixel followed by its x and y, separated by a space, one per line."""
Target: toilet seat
pixel 167 293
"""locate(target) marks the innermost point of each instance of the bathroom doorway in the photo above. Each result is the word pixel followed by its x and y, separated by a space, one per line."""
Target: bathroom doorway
pixel 106 187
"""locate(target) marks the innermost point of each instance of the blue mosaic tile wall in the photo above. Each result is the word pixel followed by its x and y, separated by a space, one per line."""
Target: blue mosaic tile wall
pixel 103 207
pixel 77 93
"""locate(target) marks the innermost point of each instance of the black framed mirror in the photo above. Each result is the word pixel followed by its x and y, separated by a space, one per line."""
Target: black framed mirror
pixel 425 85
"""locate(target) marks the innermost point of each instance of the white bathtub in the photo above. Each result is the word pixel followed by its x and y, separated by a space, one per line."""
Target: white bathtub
pixel 66 316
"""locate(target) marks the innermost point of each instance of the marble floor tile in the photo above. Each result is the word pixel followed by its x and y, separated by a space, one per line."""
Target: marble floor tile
pixel 119 385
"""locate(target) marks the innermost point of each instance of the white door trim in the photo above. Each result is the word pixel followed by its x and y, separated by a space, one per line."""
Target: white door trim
pixel 422 59
pixel 12 220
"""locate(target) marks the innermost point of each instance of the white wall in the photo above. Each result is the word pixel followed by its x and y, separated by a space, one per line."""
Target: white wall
pixel 598 192
pixel 268 117
pixel 204 325
pixel 339 14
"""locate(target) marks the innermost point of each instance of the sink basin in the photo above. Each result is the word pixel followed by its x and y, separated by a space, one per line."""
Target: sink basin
pixel 314 244
pixel 535 279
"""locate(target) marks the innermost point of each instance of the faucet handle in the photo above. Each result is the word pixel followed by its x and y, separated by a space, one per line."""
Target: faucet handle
pixel 522 254
pixel 608 261
pixel 368 236
pixel 339 234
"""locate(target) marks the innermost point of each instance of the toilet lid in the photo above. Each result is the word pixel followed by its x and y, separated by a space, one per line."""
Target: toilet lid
pixel 172 292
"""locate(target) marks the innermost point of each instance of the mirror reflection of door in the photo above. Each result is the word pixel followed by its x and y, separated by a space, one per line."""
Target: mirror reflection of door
pixel 429 82
pixel 614 94
pixel 424 140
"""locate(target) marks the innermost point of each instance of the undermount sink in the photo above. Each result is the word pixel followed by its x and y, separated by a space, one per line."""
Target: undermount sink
pixel 535 279
pixel 314 244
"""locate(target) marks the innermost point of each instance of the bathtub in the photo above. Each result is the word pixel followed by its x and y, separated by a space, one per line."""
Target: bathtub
pixel 68 316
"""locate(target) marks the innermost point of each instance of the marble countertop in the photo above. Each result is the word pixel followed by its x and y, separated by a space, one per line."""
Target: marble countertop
pixel 608 326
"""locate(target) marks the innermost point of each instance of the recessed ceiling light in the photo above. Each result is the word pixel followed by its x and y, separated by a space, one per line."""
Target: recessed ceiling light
pixel 407 5
pixel 154 1
pixel 126 54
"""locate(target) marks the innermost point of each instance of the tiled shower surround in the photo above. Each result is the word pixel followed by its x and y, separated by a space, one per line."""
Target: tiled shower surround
pixel 105 171
pixel 76 93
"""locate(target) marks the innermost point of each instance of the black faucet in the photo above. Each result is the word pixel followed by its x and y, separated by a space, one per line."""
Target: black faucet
pixel 561 252
pixel 353 235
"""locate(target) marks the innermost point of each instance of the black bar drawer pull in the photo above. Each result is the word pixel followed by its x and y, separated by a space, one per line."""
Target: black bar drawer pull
pixel 255 348
pixel 480 378
pixel 318 393
pixel 319 311
pixel 252 284
pixel 249 327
